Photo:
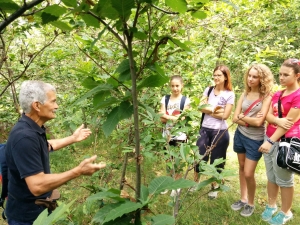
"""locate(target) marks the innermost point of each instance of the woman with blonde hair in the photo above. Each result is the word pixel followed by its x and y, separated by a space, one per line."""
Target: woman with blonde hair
pixel 249 134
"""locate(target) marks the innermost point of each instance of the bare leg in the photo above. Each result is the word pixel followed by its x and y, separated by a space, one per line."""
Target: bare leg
pixel 243 185
pixel 287 194
pixel 273 190
pixel 249 170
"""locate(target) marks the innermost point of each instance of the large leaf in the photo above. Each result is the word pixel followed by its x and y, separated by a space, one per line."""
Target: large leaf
pixel 162 219
pixel 107 102
pixel 9 5
pixel 111 122
pixel 177 5
pixel 199 14
pixel 124 70
pixel 90 83
pixel 109 194
pixel 90 20
pixel 61 25
pixel 144 194
pixel 123 7
pixel 101 214
pixel 158 184
pixel 153 81
pixel 70 3
pixel 99 88
pixel 104 9
pixel 180 44
pixel 122 209
pixel 125 110
pixel 52 13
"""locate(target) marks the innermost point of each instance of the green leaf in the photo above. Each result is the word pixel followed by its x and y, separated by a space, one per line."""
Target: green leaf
pixel 99 88
pixel 90 20
pixel 123 7
pixel 100 96
pixel 162 219
pixel 105 9
pixel 122 209
pixel 102 213
pixel 90 83
pixel 204 183
pixel 144 194
pixel 9 5
pixel 111 122
pixel 177 5
pixel 140 35
pixel 158 184
pixel 107 102
pixel 70 3
pixel 41 218
pixel 199 15
pixel 55 10
pixel 125 110
pixel 124 70
pixel 180 44
pixel 61 25
pixel 109 194
pixel 153 81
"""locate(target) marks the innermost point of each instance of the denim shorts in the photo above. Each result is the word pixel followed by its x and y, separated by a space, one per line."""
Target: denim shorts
pixel 245 145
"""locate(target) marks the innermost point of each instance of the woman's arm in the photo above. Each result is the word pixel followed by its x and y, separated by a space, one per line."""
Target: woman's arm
pixel 238 111
pixel 258 121
pixel 164 117
pixel 292 116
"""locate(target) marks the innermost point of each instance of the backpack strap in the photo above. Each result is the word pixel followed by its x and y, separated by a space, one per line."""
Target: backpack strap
pixel 208 93
pixel 182 102
pixel 167 98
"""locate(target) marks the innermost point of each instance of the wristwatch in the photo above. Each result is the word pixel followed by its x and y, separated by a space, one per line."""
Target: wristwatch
pixel 270 141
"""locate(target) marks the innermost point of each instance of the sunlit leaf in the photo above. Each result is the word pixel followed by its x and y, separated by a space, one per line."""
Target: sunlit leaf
pixel 177 5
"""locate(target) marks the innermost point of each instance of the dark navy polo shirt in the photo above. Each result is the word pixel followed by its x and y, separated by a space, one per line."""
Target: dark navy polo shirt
pixel 26 155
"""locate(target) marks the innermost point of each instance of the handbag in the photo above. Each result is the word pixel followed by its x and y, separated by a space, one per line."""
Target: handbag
pixel 288 155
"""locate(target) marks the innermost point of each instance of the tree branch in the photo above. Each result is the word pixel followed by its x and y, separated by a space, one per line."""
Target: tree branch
pixel 18 13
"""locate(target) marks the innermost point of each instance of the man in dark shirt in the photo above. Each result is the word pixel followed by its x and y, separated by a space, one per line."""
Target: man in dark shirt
pixel 27 154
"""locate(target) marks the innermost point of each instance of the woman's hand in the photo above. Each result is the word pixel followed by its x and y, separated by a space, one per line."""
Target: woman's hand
pixel 265 147
pixel 284 123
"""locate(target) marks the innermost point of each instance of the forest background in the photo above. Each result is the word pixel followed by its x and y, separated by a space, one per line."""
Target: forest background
pixel 111 61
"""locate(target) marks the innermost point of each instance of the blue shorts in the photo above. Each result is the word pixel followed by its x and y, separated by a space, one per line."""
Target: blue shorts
pixel 245 145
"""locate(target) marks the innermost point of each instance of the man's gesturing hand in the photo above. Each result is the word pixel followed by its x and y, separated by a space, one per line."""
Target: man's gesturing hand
pixel 87 167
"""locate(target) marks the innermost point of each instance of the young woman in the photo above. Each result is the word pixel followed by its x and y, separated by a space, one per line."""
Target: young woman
pixel 249 135
pixel 288 125
pixel 221 100
pixel 170 111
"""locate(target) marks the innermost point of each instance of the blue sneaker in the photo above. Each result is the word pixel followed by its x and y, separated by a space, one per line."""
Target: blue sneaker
pixel 280 218
pixel 268 213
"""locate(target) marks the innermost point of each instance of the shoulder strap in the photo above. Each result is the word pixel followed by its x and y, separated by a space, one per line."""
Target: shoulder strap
pixel 182 102
pixel 208 93
pixel 167 98
pixel 251 106
pixel 210 90
pixel 279 109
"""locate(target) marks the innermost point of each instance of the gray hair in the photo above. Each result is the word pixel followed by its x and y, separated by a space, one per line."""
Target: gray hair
pixel 33 91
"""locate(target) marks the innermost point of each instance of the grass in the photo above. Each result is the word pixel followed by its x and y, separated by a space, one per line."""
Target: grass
pixel 202 212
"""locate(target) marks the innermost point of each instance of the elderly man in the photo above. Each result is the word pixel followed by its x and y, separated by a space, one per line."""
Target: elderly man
pixel 27 155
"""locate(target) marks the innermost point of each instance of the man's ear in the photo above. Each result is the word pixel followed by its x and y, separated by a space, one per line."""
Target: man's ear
pixel 36 106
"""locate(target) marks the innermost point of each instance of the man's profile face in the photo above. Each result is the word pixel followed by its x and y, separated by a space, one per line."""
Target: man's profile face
pixel 48 109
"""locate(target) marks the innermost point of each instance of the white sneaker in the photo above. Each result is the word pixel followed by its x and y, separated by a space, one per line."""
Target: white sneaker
pixel 213 194
pixel 164 192
pixel 175 192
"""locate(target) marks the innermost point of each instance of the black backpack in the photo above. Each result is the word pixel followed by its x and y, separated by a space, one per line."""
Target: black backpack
pixel 182 102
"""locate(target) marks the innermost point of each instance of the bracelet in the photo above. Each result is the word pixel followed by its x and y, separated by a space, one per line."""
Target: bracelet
pixel 246 124
pixel 270 141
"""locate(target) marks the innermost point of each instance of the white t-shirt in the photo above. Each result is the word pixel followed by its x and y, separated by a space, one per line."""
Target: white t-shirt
pixel 172 106
pixel 224 98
